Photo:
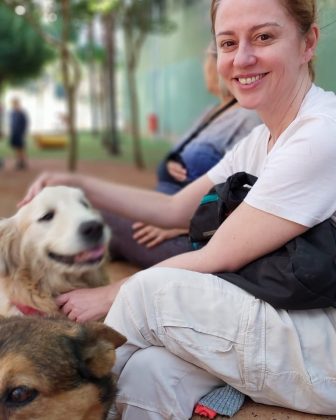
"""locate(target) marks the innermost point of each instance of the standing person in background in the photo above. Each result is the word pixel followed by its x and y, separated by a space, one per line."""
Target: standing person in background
pixel 18 129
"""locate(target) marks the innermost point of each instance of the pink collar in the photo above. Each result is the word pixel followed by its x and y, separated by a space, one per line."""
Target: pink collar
pixel 28 310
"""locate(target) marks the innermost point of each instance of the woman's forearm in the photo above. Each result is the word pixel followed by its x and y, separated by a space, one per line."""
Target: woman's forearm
pixel 246 235
pixel 140 204
pixel 135 203
pixel 188 261
pixel 145 205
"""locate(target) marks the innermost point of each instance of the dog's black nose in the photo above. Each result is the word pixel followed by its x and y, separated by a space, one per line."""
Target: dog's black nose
pixel 91 231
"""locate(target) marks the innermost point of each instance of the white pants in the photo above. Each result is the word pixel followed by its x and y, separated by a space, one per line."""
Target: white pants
pixel 189 332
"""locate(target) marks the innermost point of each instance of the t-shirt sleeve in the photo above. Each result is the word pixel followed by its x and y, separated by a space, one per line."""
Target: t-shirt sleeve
pixel 299 177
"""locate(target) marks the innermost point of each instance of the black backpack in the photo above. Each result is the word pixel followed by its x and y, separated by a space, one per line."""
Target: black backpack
pixel 299 275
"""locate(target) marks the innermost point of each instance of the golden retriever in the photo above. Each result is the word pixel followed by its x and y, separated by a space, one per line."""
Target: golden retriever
pixel 52 245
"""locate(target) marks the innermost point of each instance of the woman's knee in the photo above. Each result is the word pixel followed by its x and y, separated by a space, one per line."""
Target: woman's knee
pixel 159 382
pixel 150 279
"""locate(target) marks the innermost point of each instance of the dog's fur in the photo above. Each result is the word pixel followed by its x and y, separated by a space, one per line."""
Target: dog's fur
pixel 52 245
pixel 55 369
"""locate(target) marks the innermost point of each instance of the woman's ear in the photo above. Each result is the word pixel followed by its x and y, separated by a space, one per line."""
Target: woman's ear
pixel 311 40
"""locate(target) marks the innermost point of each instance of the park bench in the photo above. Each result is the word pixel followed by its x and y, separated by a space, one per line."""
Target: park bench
pixel 50 140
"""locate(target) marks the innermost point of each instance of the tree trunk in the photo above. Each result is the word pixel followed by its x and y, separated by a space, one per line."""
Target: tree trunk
pixel 1 113
pixel 73 151
pixel 69 86
pixel 92 84
pixel 111 139
pixel 133 99
pixel 102 97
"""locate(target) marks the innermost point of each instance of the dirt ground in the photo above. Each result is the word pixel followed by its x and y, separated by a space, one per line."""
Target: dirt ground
pixel 14 183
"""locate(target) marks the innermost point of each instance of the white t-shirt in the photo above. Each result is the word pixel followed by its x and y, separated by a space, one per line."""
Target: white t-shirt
pixel 297 179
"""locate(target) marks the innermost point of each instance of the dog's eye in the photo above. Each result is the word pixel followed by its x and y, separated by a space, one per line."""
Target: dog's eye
pixel 46 217
pixel 20 396
pixel 85 204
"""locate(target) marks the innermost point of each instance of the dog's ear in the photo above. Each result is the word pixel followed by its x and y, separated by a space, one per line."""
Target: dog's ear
pixel 9 246
pixel 103 332
pixel 97 348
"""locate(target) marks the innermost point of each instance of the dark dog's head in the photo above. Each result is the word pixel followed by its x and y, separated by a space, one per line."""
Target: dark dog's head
pixel 53 369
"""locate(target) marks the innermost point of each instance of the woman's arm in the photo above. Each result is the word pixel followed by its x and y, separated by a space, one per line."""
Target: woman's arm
pixel 247 234
pixel 136 203
pixel 83 305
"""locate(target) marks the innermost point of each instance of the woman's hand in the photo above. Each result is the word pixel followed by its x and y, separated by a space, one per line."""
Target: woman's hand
pixel 83 305
pixel 151 236
pixel 48 179
pixel 176 170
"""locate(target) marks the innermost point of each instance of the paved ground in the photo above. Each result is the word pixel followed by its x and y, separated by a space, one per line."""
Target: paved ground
pixel 12 187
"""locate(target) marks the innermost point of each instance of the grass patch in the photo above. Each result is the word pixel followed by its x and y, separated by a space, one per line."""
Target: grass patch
pixel 90 148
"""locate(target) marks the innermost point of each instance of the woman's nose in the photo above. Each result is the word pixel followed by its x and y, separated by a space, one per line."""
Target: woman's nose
pixel 245 56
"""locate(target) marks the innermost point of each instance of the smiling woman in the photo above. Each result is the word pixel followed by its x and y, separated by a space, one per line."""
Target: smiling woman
pixel 191 329
pixel 267 56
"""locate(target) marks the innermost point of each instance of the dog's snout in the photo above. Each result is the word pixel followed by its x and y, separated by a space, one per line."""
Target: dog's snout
pixel 91 231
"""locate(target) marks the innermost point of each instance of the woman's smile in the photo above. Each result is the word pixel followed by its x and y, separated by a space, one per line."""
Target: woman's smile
pixel 249 80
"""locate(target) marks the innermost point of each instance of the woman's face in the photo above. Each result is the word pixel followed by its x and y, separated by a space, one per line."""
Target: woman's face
pixel 261 54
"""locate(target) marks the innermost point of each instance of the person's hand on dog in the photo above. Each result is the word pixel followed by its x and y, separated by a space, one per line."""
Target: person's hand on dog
pixel 151 236
pixel 49 179
pixel 83 305
pixel 176 170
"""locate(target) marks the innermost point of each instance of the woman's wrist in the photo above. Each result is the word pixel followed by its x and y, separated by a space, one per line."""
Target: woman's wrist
pixel 113 289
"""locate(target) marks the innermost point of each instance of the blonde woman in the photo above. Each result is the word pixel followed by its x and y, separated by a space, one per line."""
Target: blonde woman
pixel 189 331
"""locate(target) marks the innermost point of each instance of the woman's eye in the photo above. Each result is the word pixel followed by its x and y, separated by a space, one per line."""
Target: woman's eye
pixel 20 396
pixel 264 37
pixel 47 217
pixel 227 45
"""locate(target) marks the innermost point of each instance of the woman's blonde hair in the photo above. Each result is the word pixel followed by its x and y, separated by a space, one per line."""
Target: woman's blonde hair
pixel 212 49
pixel 303 12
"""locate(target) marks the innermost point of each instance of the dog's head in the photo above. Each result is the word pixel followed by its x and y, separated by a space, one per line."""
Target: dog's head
pixel 58 229
pixel 51 369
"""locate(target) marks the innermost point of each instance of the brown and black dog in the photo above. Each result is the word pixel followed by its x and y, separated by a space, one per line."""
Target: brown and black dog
pixel 54 369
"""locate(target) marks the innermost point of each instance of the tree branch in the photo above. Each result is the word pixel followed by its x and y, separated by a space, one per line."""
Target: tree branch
pixel 49 39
